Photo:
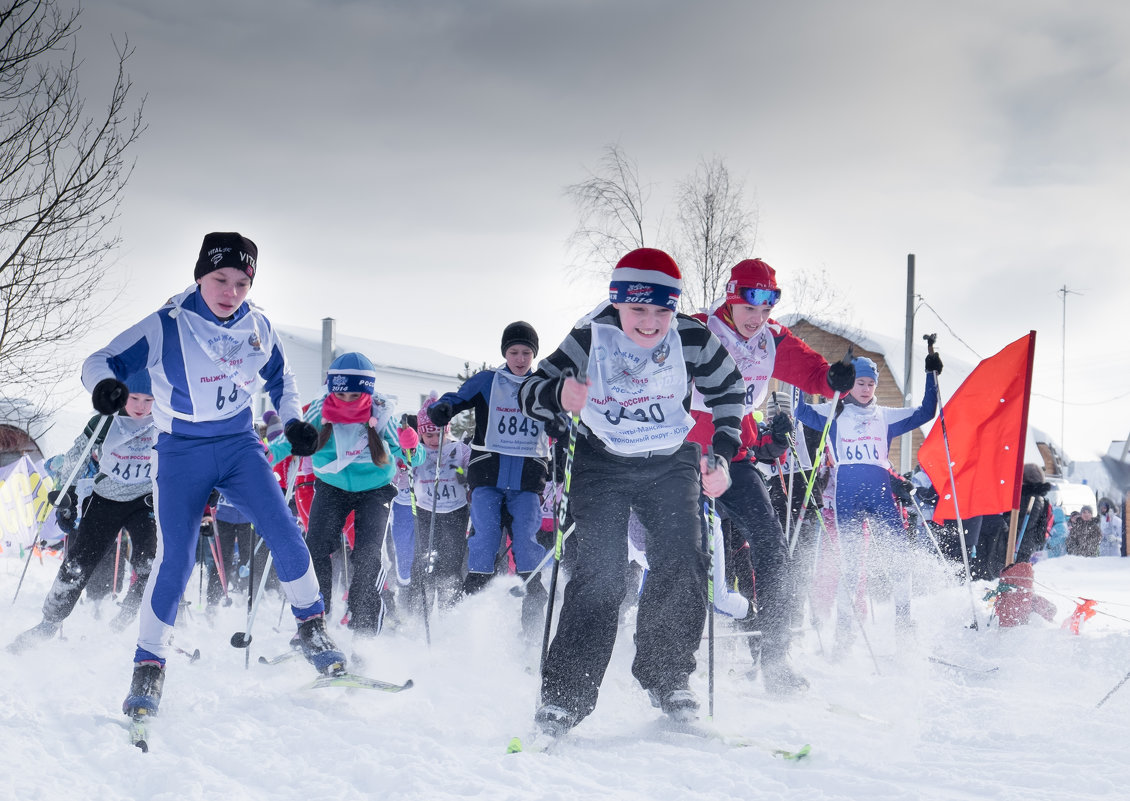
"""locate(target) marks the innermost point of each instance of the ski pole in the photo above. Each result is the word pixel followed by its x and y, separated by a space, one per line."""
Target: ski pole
pixel 520 590
pixel 117 566
pixel 430 564
pixel 1113 690
pixel 64 489
pixel 930 339
pixel 710 516
pixel 562 511
pixel 242 639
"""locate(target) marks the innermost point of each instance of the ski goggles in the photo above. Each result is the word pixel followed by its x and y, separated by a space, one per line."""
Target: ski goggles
pixel 756 297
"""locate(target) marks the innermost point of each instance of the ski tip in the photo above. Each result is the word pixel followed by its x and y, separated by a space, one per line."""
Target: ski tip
pixel 802 753
pixel 264 660
pixel 144 746
pixel 407 684
pixel 514 746
pixel 240 640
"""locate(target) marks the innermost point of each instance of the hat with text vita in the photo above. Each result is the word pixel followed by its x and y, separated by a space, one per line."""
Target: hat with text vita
pixel 753 282
pixel 519 333
pixel 646 276
pixel 226 249
pixel 865 368
pixel 351 372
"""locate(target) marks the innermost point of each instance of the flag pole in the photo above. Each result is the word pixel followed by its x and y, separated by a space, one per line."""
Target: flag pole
pixel 930 339
pixel 1014 517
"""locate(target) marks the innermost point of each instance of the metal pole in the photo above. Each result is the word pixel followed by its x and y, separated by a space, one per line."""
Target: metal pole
pixel 906 442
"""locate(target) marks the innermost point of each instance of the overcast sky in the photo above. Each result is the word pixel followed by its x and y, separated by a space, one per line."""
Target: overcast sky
pixel 401 165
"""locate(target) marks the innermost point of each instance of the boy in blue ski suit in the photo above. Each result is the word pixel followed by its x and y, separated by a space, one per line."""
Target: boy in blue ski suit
pixel 204 350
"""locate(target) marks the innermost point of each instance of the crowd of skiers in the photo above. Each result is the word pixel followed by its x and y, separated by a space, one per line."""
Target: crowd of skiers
pixel 637 442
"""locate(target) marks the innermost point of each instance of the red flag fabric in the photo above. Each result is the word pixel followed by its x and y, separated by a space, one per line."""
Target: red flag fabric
pixel 985 422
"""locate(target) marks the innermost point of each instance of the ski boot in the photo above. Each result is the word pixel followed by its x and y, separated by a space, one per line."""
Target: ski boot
pixel 554 720
pixel 316 645
pixel 34 636
pixel 680 705
pixel 145 690
pixel 780 678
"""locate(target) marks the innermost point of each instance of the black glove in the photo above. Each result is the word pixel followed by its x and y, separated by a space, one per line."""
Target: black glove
pixel 780 427
pixel 933 363
pixel 302 436
pixel 109 396
pixel 841 376
pixel 66 510
pixel 441 413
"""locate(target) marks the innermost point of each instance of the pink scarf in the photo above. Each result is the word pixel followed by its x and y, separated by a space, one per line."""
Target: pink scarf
pixel 336 411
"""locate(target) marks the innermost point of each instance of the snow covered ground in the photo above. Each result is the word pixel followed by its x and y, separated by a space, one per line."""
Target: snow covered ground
pixel 914 730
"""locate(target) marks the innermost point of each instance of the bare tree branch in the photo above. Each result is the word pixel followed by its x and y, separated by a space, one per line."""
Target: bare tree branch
pixel 62 174
pixel 715 232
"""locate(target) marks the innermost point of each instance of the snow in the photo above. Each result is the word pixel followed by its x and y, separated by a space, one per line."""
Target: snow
pixel 915 730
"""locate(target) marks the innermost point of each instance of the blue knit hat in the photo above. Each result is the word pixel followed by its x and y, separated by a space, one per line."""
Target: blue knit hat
pixel 865 368
pixel 139 383
pixel 351 372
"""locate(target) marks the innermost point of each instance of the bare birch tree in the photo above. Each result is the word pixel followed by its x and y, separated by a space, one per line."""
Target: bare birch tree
pixel 62 173
pixel 715 232
pixel 610 203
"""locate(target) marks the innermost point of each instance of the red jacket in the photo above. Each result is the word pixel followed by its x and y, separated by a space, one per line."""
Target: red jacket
pixel 794 363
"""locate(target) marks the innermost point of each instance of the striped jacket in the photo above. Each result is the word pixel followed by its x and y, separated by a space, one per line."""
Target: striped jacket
pixel 709 368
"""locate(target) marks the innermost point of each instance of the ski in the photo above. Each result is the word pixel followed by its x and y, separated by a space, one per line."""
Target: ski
pixel 538 742
pixel 353 680
pixel 707 732
pixel 278 660
pixel 981 671
pixel 139 730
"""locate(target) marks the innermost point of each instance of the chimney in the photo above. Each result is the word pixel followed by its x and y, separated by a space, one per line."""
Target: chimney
pixel 329 343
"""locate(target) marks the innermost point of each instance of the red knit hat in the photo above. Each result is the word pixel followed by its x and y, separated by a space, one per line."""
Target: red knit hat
pixel 751 274
pixel 646 276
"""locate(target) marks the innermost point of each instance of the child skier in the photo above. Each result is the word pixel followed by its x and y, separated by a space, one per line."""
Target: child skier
pixel 448 498
pixel 357 443
pixel 205 349
pixel 763 349
pixel 860 436
pixel 510 461
pixel 632 454
pixel 122 498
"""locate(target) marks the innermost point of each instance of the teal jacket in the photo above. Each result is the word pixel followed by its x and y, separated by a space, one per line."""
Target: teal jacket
pixel 359 475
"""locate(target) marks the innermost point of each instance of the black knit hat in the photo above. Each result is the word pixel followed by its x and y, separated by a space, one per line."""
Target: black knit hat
pixel 519 333
pixel 226 249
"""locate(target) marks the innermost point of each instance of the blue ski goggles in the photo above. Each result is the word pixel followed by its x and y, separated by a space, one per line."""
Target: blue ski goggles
pixel 757 297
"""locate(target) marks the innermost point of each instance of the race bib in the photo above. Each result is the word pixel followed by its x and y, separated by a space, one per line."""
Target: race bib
pixel 508 430
pixel 635 402
pixel 127 450
pixel 862 437
pixel 221 364
pixel 448 494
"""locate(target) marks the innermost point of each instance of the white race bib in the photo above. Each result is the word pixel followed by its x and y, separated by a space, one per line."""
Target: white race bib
pixel 449 494
pixel 508 430
pixel 127 450
pixel 221 364
pixel 861 436
pixel 635 402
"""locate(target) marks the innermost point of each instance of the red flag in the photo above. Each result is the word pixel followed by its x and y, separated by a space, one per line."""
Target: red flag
pixel 985 423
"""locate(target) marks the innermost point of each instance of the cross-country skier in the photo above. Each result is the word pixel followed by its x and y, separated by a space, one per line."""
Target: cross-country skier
pixel 632 454
pixel 354 461
pixel 860 437
pixel 764 349
pixel 121 498
pixel 510 462
pixel 205 349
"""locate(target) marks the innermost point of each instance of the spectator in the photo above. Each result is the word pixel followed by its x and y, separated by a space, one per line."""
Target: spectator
pixel 1084 534
pixel 1111 526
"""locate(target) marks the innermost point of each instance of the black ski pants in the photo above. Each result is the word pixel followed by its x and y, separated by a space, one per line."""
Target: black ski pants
pixel 328 512
pixel 97 531
pixel 450 546
pixel 746 504
pixel 664 492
